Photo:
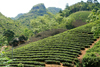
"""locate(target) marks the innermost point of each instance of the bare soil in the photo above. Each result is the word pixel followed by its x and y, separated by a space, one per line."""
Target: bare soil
pixel 54 65
pixel 78 23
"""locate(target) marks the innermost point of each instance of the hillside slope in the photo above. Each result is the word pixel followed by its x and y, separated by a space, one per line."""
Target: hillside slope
pixel 61 48
pixel 75 19
pixel 79 18
pixel 9 24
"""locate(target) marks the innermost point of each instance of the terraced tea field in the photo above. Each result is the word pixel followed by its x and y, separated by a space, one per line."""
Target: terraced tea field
pixel 62 48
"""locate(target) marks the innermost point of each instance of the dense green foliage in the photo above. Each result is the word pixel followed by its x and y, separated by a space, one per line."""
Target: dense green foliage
pixel 10 29
pixel 96 30
pixel 43 23
pixel 64 48
pixel 94 17
pixel 80 6
pixel 9 24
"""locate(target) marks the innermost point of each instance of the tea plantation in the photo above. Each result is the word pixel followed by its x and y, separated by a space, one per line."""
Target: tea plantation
pixel 62 48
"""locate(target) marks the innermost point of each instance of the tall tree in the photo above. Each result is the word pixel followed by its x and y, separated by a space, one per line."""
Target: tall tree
pixel 67 5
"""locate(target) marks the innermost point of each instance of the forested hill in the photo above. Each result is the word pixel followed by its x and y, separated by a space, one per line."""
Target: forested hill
pixel 53 10
pixel 80 6
pixel 9 24
pixel 37 10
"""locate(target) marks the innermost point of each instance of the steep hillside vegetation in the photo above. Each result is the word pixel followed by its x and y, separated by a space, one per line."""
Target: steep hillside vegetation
pixel 9 24
pixel 53 10
pixel 62 48
pixel 10 29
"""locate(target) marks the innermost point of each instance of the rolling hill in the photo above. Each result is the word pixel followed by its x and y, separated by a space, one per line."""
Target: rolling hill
pixel 79 18
pixel 74 20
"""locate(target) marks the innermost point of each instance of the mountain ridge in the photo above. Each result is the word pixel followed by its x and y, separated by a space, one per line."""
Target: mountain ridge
pixel 37 10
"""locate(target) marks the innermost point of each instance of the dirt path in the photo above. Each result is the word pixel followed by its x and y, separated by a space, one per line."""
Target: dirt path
pixel 54 65
pixel 3 48
pixel 84 51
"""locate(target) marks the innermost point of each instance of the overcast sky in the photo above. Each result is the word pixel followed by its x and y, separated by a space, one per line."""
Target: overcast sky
pixel 10 8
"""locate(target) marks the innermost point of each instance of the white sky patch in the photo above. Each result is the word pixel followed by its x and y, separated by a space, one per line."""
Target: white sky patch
pixel 11 8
